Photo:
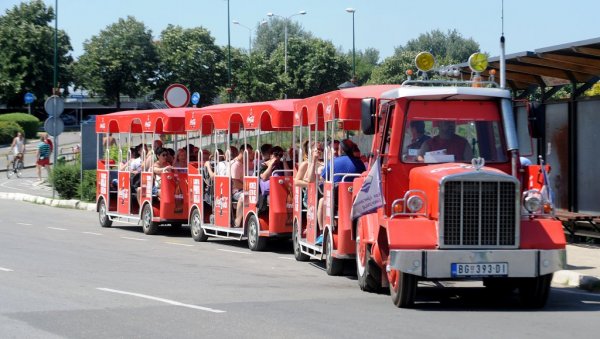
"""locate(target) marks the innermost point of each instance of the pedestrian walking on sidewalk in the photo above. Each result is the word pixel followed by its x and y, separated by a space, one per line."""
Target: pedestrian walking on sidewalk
pixel 43 157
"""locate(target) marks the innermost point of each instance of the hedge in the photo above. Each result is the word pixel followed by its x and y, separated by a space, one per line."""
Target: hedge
pixel 8 131
pixel 29 123
pixel 66 178
pixel 87 189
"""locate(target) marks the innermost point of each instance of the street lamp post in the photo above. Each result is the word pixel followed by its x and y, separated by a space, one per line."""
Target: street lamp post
pixel 235 22
pixel 352 10
pixel 230 89
pixel 285 40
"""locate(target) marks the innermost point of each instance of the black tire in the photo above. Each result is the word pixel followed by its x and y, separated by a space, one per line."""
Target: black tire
pixel 333 266
pixel 296 242
pixel 403 288
pixel 103 214
pixel 148 226
pixel 534 292
pixel 19 168
pixel 367 271
pixel 196 227
pixel 255 241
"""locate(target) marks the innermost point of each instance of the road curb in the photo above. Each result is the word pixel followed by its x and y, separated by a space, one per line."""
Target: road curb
pixel 576 279
pixel 71 203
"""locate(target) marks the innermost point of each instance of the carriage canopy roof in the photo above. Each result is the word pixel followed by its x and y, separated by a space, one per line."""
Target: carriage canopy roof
pixel 169 120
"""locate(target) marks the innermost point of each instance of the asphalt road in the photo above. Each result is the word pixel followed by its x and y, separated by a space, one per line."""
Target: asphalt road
pixel 63 276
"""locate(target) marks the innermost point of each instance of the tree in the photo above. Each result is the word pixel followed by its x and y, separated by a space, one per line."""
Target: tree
pixel 314 67
pixel 254 77
pixel 121 59
pixel 269 36
pixel 393 69
pixel 190 57
pixel 27 53
pixel 366 61
pixel 447 48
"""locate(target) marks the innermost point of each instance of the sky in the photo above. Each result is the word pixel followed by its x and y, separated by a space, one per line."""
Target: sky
pixel 380 24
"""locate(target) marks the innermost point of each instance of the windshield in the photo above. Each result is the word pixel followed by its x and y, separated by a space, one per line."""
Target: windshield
pixel 437 136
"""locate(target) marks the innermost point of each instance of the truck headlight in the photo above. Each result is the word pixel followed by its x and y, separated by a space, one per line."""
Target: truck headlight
pixel 414 204
pixel 533 201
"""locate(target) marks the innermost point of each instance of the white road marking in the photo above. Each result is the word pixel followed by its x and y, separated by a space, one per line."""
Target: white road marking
pixel 286 258
pixel 231 251
pixel 138 239
pixel 92 233
pixel 24 224
pixel 58 228
pixel 167 301
pixel 5 269
pixel 176 243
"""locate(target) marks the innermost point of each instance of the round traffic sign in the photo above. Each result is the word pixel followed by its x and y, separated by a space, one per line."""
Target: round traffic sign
pixel 195 98
pixel 29 97
pixel 54 106
pixel 177 95
pixel 54 126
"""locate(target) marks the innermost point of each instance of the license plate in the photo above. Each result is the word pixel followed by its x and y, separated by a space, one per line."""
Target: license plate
pixel 496 269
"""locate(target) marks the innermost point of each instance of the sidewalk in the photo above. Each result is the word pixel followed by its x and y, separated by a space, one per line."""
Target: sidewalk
pixel 583 260
pixel 66 141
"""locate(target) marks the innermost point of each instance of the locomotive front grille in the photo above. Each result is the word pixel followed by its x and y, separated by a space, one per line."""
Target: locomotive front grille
pixel 479 214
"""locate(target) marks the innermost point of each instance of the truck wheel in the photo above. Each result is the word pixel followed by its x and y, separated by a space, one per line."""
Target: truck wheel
pixel 255 241
pixel 196 227
pixel 148 226
pixel 296 242
pixel 102 214
pixel 403 288
pixel 534 292
pixel 369 274
pixel 333 266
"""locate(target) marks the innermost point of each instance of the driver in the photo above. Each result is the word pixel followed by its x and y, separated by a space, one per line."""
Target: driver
pixel 448 140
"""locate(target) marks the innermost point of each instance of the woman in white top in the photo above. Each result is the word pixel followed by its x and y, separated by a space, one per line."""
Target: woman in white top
pixel 221 168
pixel 18 145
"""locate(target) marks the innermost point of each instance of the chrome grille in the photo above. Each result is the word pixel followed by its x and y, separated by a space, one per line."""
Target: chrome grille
pixel 479 214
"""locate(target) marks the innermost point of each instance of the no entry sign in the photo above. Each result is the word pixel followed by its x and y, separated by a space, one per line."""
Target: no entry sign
pixel 177 95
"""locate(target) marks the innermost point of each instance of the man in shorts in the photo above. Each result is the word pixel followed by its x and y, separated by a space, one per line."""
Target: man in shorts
pixel 43 157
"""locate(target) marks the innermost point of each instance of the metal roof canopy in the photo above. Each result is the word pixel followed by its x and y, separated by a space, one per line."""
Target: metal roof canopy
pixel 571 63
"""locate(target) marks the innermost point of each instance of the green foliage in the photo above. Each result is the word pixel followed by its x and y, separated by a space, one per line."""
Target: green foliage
pixel 28 123
pixel 447 48
pixel 8 131
pixel 314 67
pixel 27 53
pixel 393 69
pixel 366 61
pixel 66 178
pixel 190 57
pixel 271 35
pixel 87 189
pixel 594 91
pixel 121 59
pixel 254 77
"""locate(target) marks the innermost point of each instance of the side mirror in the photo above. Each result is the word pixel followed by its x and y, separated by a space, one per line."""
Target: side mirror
pixel 536 115
pixel 367 110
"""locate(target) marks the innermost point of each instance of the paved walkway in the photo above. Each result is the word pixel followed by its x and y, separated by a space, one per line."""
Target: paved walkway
pixel 583 269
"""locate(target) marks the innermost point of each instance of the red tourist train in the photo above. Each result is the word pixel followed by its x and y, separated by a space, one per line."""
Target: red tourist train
pixel 419 181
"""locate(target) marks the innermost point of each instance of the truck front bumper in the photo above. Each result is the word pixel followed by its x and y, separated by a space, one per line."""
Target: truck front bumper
pixel 437 264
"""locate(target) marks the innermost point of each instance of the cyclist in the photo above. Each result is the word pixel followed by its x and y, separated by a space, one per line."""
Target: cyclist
pixel 18 147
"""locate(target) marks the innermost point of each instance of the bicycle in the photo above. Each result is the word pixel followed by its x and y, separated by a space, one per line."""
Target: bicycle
pixel 15 166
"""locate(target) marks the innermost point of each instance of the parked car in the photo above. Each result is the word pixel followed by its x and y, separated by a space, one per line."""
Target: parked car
pixel 68 119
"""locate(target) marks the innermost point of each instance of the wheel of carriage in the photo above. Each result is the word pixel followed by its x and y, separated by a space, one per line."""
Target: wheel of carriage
pixel 148 226
pixel 255 241
pixel 403 288
pixel 102 214
pixel 196 227
pixel 296 242
pixel 333 265
pixel 534 292
pixel 368 273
